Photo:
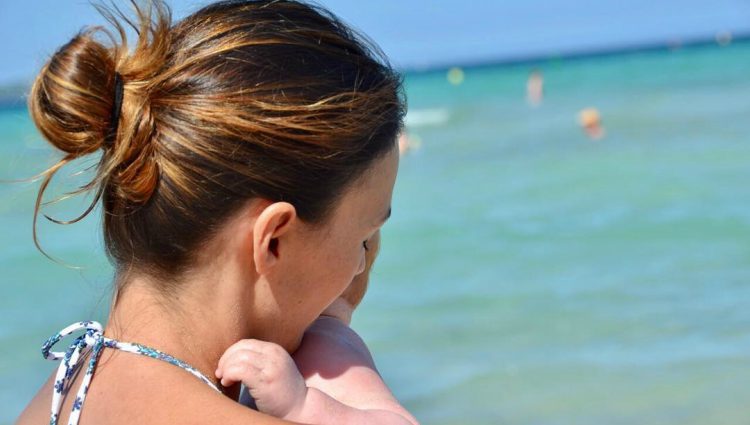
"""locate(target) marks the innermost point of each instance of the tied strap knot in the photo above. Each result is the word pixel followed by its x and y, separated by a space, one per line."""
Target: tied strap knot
pixel 93 332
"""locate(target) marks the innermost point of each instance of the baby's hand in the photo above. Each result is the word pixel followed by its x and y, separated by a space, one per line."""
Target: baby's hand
pixel 268 372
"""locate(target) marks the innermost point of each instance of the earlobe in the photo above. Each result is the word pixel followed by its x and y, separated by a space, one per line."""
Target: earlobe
pixel 274 220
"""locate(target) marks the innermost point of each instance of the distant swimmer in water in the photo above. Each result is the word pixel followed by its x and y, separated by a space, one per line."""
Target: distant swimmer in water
pixel 591 123
pixel 407 143
pixel 535 88
pixel 403 143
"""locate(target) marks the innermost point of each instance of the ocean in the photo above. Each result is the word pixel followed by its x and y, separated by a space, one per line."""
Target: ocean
pixel 529 274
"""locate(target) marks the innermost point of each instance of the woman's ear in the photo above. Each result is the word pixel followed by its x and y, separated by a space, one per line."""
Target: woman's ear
pixel 273 221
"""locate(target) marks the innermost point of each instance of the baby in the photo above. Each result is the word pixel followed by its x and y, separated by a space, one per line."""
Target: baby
pixel 332 378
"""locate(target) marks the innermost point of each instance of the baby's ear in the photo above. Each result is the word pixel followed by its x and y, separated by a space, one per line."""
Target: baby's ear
pixel 273 222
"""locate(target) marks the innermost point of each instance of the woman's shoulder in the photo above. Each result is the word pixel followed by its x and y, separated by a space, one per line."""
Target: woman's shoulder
pixel 38 409
pixel 139 392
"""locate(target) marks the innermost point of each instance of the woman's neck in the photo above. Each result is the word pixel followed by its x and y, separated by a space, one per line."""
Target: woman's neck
pixel 192 326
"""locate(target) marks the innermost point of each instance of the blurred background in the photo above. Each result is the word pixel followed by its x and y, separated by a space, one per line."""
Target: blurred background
pixel 570 241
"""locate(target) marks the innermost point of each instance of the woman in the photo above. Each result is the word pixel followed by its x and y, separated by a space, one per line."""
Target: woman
pixel 248 156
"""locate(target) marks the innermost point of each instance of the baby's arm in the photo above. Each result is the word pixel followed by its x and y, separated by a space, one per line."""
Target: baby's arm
pixel 335 360
pixel 279 390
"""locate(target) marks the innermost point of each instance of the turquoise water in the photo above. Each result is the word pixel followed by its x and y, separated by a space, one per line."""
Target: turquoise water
pixel 529 275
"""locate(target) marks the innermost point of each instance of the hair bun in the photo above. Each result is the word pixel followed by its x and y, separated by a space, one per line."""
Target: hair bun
pixel 76 102
pixel 72 99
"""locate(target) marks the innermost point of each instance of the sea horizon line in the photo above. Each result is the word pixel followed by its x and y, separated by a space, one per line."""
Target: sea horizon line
pixel 12 94
pixel 582 54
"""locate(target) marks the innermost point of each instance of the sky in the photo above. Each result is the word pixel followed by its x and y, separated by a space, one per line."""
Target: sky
pixel 423 33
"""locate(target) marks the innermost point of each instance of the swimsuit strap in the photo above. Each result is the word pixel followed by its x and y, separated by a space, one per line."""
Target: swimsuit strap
pixel 94 337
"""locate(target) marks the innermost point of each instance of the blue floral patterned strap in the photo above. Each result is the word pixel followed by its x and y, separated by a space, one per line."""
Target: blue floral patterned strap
pixel 94 337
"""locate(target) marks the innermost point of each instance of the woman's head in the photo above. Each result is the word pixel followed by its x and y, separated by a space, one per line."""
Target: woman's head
pixel 242 100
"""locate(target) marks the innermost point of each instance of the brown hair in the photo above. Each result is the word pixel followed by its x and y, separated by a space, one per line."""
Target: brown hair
pixel 242 99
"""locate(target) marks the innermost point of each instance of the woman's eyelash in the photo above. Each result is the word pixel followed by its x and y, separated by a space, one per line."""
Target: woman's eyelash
pixel 364 244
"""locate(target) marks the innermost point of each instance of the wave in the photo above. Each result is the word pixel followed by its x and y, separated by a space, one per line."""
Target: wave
pixel 427 117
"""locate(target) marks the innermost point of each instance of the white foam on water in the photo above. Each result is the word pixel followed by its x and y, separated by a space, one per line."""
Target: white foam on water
pixel 427 117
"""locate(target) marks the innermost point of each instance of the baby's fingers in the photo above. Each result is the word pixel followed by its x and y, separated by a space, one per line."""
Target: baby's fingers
pixel 251 345
pixel 241 366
